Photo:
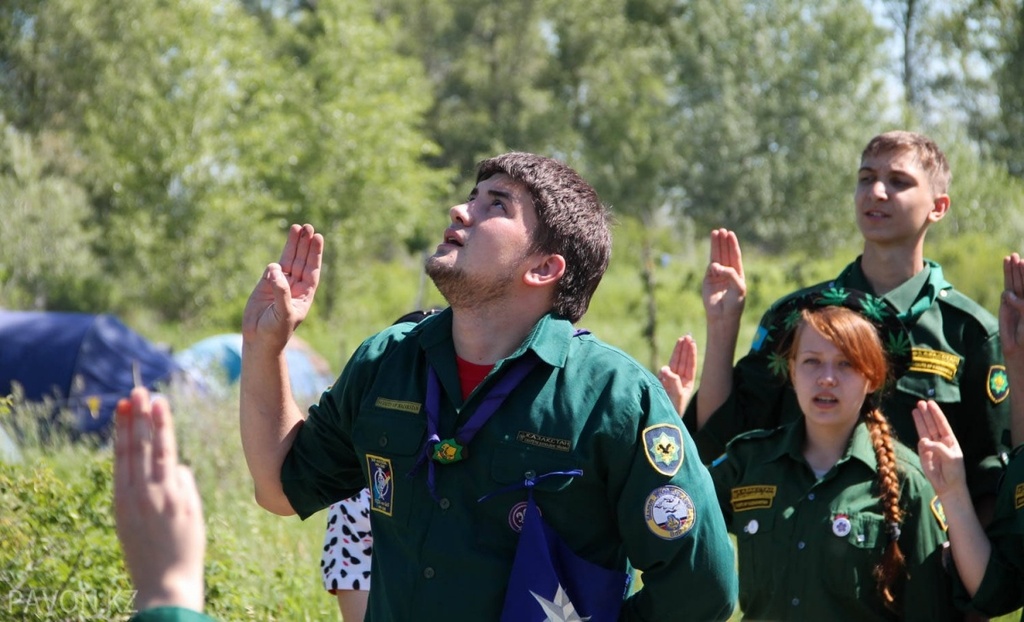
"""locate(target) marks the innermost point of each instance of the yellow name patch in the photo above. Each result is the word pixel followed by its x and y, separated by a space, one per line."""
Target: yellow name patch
pixel 939 513
pixel 1018 497
pixel 409 407
pixel 752 497
pixel 935 362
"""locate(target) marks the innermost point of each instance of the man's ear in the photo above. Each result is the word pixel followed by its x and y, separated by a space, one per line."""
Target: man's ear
pixel 546 272
pixel 940 207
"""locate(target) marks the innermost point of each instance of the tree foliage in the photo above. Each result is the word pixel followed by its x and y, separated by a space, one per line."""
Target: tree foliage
pixel 203 137
pixel 46 229
pixel 169 142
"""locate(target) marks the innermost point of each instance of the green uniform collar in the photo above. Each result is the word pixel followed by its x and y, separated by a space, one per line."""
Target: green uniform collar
pixel 794 434
pixel 912 298
pixel 549 340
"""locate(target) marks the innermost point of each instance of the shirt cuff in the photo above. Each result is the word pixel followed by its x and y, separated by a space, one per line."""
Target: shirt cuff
pixel 170 614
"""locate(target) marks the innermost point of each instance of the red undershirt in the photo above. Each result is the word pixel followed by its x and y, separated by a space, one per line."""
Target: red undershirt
pixel 470 375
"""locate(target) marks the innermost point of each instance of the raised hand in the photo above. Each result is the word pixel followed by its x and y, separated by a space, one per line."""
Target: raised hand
pixel 1011 337
pixel 679 375
pixel 725 286
pixel 941 457
pixel 942 461
pixel 1011 310
pixel 282 298
pixel 157 507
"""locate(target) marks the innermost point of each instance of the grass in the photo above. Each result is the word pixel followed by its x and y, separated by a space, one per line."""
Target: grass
pixel 56 523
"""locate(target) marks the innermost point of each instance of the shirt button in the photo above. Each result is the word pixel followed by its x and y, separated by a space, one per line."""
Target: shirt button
pixel 800 545
pixel 530 474
pixel 810 496
pixel 445 503
pixel 931 392
pixel 795 601
pixel 428 573
pixel 383 440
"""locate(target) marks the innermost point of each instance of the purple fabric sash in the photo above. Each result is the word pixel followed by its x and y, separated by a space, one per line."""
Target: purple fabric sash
pixel 508 381
pixel 551 582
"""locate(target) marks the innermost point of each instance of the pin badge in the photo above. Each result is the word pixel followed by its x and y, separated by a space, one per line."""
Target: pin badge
pixel 448 451
pixel 841 526
pixel 751 527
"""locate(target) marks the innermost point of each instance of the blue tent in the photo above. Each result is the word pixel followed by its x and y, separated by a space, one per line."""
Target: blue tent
pixel 83 362
pixel 218 360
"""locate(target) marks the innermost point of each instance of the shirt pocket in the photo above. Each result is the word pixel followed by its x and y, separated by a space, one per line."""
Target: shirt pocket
pixel 930 386
pixel 501 512
pixel 758 555
pixel 849 559
pixel 390 444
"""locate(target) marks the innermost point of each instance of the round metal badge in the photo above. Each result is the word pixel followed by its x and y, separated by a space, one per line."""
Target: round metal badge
pixel 841 525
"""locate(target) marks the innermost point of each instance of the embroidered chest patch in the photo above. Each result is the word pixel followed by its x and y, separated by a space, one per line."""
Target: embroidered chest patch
pixel 547 442
pixel 381 479
pixel 669 512
pixel 998 384
pixel 1018 497
pixel 663 445
pixel 746 498
pixel 408 407
pixel 935 362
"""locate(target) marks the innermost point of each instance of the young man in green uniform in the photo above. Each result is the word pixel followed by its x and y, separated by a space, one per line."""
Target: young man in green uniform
pixel 457 423
pixel 902 187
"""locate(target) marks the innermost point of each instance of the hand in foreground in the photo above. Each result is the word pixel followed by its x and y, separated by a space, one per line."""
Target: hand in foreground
pixel 282 298
pixel 724 289
pixel 157 507
pixel 679 375
pixel 941 457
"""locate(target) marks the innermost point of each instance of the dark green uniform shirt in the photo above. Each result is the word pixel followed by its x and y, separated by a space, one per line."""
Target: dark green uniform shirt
pixel 957 361
pixel 1002 588
pixel 586 405
pixel 807 547
pixel 170 614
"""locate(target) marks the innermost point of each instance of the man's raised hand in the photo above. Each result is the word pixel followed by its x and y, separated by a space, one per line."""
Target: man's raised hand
pixel 282 298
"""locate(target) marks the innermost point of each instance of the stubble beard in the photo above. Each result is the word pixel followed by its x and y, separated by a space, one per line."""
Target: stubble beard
pixel 466 291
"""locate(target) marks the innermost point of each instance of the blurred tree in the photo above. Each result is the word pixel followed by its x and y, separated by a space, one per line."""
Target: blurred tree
pixel 1009 145
pixel 362 170
pixel 917 46
pixel 985 199
pixel 45 235
pixel 778 99
pixel 615 75
pixel 963 65
pixel 489 67
pixel 204 132
pixel 155 95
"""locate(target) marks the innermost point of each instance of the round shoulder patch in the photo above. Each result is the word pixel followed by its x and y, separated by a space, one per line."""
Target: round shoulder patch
pixel 669 512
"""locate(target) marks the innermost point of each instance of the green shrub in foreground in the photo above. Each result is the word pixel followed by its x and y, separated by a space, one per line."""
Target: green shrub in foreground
pixel 60 559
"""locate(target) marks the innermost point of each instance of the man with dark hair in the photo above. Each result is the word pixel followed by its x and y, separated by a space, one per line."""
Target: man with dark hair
pixel 493 425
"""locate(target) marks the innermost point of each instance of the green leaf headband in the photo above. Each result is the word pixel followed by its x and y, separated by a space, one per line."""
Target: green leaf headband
pixel 784 319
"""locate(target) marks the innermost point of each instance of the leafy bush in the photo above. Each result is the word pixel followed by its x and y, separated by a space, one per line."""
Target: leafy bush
pixel 60 558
